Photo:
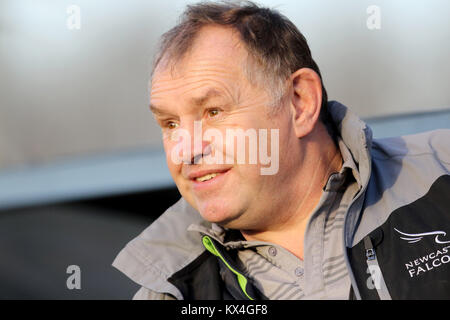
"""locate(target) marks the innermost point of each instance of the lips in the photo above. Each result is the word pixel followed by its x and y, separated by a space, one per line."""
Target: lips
pixel 201 174
pixel 207 180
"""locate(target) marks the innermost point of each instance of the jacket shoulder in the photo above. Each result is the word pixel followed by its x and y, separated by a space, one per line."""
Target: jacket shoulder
pixel 436 143
pixel 405 207
pixel 162 249
pixel 403 170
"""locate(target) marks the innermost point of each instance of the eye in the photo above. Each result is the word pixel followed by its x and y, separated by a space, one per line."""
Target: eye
pixel 213 113
pixel 171 125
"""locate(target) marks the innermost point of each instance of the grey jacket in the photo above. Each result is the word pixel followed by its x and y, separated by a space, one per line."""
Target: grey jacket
pixel 394 230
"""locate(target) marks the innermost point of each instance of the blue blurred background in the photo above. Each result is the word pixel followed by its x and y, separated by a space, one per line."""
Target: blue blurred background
pixel 82 170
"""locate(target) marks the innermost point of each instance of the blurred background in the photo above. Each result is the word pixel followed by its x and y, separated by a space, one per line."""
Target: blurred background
pixel 82 170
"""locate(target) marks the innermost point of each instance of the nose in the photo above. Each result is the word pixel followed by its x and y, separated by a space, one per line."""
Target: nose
pixel 191 145
pixel 198 152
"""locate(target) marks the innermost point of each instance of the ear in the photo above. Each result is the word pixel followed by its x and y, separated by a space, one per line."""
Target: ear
pixel 306 100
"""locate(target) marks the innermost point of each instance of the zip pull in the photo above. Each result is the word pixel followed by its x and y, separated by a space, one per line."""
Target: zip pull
pixel 373 268
pixel 370 251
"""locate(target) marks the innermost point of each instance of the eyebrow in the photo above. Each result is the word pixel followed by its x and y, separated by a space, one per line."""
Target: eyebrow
pixel 211 93
pixel 197 101
pixel 157 110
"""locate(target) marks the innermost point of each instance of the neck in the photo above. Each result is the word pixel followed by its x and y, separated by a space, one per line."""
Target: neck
pixel 288 225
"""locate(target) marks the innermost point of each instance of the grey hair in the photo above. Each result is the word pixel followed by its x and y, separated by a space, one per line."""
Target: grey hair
pixel 276 48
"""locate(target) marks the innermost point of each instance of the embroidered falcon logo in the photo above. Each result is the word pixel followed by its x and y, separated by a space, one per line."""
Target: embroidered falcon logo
pixel 412 238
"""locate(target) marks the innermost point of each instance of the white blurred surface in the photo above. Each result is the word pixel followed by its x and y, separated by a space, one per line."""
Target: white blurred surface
pixel 65 93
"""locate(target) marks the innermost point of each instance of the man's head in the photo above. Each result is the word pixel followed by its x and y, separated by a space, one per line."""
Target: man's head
pixel 275 47
pixel 238 66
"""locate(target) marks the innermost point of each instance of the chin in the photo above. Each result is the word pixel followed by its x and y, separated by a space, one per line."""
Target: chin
pixel 218 212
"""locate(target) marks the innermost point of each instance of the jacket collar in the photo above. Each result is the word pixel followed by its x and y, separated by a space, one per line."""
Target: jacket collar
pixel 358 139
pixel 356 135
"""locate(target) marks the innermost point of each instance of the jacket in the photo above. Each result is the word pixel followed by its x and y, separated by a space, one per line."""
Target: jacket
pixel 396 242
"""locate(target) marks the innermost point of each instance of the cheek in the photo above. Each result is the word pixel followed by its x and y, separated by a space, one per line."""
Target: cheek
pixel 174 168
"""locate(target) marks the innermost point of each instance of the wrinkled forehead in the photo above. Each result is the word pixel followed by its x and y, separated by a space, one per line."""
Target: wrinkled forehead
pixel 215 50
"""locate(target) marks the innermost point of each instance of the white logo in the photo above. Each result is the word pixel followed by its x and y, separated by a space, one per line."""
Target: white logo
pixel 412 238
pixel 374 20
pixel 74 281
pixel 74 18
pixel 222 146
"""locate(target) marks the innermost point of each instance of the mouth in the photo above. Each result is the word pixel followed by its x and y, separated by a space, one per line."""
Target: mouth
pixel 210 180
pixel 207 177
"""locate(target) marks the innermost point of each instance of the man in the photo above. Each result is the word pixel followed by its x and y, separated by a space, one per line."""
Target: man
pixel 342 216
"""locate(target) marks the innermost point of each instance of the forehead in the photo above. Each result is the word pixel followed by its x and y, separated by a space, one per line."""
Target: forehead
pixel 217 42
pixel 216 59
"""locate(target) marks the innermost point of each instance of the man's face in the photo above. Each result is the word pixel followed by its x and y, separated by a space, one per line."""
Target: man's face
pixel 209 85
